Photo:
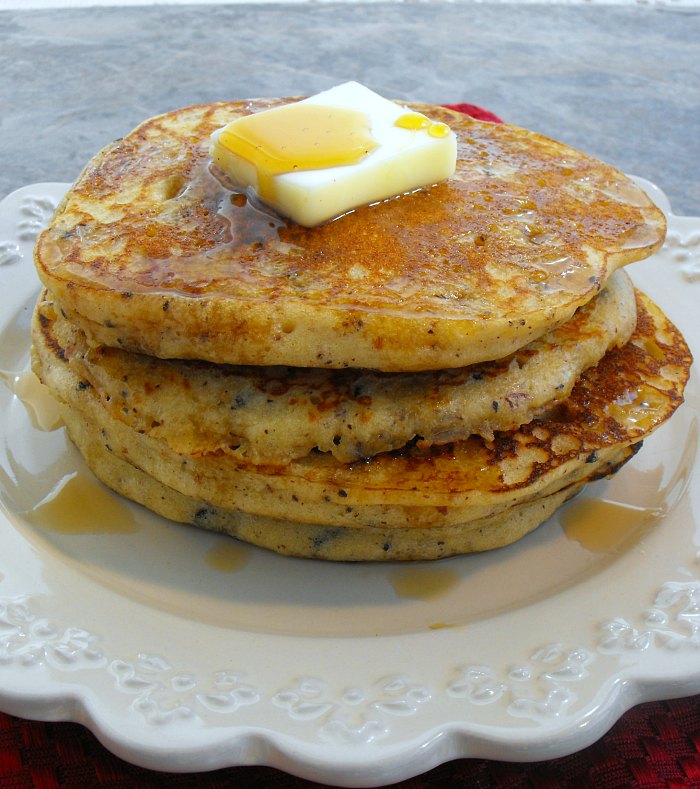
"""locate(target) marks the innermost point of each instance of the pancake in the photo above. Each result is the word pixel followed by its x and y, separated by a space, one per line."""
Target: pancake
pixel 317 541
pixel 278 414
pixel 612 407
pixel 150 252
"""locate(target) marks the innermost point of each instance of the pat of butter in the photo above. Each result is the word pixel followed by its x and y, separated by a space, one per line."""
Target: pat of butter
pixel 319 158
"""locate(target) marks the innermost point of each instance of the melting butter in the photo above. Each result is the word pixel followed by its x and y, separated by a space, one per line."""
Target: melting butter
pixel 321 157
pixel 80 504
pixel 299 137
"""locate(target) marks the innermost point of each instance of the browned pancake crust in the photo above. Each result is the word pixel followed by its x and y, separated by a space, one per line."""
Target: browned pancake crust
pixel 150 252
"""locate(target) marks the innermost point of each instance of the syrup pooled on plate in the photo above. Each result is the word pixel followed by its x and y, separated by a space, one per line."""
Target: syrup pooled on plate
pixel 602 526
pixel 424 583
pixel 42 408
pixel 80 504
pixel 228 556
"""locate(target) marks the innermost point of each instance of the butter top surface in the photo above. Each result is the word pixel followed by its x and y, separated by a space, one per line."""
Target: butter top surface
pixel 319 158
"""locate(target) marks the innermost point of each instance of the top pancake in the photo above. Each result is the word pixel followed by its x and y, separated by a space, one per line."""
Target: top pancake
pixel 150 252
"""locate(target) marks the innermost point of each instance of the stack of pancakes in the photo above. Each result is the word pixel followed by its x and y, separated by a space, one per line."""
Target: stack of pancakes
pixel 431 375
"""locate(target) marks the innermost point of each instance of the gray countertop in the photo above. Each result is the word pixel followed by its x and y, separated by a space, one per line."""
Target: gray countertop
pixel 619 82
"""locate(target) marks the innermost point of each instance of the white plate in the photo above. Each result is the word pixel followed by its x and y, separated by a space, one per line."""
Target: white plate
pixel 354 675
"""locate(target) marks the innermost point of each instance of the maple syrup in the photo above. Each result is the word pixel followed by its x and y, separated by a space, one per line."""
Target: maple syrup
pixel 298 137
pixel 44 412
pixel 416 121
pixel 639 408
pixel 424 583
pixel 227 556
pixel 79 504
pixel 602 526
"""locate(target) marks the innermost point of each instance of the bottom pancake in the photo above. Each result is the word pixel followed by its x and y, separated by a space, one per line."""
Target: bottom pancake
pixel 317 541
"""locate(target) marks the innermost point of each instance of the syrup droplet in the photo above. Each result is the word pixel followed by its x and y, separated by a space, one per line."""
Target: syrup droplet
pixel 603 526
pixel 42 408
pixel 424 583
pixel 227 556
pixel 439 130
pixel 79 504
pixel 415 121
